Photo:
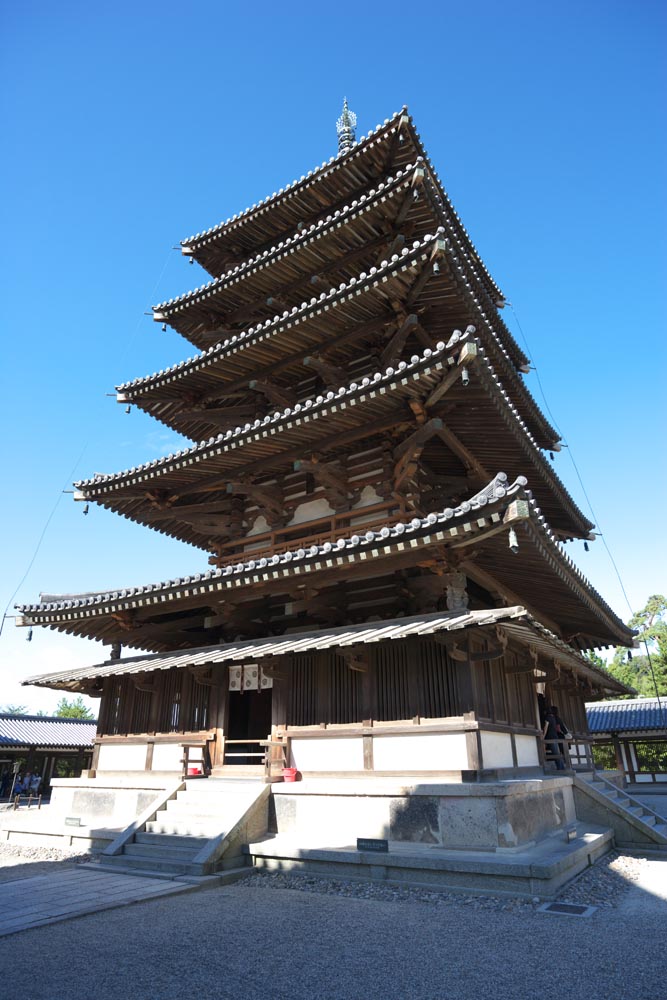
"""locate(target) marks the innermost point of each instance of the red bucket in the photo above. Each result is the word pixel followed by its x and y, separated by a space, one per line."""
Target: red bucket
pixel 194 770
pixel 289 774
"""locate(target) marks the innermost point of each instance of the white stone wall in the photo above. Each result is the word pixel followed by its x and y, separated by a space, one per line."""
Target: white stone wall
pixel 497 750
pixel 122 757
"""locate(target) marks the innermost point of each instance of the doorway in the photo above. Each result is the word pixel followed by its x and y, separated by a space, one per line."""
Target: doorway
pixel 249 719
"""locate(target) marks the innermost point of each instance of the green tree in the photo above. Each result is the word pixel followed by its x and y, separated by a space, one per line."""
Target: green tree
pixel 13 710
pixel 74 709
pixel 644 671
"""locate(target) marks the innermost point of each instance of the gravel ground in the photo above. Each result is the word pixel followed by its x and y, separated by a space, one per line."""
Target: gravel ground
pixel 246 943
pixel 604 884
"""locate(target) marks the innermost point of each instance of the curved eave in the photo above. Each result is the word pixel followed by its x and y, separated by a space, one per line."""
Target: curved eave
pixel 288 434
pixel 558 589
pixel 261 348
pixel 261 273
pixel 514 622
pixel 563 594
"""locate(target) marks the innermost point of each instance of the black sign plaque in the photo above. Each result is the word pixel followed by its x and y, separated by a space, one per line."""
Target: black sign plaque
pixel 369 844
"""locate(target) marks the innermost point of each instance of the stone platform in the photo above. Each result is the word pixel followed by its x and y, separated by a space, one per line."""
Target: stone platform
pixel 540 870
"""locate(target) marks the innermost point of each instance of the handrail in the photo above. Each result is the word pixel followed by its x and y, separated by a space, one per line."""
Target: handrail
pixel 268 755
pixel 565 754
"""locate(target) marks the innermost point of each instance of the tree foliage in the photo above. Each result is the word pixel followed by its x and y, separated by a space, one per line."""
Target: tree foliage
pixel 645 671
pixel 13 710
pixel 74 709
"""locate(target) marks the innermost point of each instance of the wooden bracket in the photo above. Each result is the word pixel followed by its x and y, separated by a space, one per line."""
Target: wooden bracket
pixel 276 394
pixel 331 375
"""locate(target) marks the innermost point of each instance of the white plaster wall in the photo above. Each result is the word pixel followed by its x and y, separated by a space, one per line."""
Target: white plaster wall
pixel 367 497
pixel 122 757
pixel 428 752
pixel 311 511
pixel 497 750
pixel 344 754
pixel 526 751
pixel 168 757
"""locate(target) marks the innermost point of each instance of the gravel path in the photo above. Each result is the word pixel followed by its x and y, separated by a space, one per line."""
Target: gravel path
pixel 246 943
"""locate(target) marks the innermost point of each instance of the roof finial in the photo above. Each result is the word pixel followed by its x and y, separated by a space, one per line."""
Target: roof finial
pixel 345 127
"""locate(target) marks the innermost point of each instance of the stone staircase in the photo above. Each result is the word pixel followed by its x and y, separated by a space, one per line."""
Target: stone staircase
pixel 199 831
pixel 635 825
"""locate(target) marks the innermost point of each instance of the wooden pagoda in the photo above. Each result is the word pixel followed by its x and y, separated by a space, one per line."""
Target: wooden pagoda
pixel 387 588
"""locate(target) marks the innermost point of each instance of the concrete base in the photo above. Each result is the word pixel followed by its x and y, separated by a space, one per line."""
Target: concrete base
pixel 45 828
pixel 540 871
pixel 484 816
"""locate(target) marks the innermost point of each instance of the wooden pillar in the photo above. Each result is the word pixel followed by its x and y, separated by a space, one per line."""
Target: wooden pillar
pixel 219 716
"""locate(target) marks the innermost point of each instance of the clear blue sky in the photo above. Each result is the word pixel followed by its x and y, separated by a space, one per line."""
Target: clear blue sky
pixel 128 127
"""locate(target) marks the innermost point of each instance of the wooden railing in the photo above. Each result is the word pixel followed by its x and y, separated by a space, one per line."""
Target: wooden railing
pixel 574 752
pixel 270 754
pixel 315 532
pixel 204 760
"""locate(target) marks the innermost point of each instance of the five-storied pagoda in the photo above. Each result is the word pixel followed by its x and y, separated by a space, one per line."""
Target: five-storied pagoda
pixel 387 590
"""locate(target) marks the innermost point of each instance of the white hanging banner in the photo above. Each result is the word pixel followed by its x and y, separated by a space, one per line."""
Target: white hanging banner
pixel 251 677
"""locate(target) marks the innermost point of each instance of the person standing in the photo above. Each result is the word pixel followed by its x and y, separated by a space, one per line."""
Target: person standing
pixel 551 734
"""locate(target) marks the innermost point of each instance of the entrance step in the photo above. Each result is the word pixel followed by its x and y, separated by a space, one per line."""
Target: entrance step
pixel 635 825
pixel 541 870
pixel 198 832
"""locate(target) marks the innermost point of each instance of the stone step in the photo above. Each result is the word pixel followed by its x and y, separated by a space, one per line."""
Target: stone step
pixel 185 829
pixel 156 866
pixel 160 852
pixel 226 877
pixel 196 843
pixel 226 782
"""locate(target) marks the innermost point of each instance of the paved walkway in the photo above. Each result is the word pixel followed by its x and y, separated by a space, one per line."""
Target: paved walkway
pixel 47 899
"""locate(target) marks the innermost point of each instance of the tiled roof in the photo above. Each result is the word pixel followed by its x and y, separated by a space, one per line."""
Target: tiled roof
pixel 294 642
pixel 42 731
pixel 382 132
pixel 515 620
pixel 482 513
pixel 405 373
pixel 288 246
pixel 630 715
pixel 277 564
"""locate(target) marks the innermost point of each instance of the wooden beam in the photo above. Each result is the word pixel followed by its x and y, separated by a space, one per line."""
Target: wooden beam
pixel 330 475
pixel 276 394
pixel 332 376
pixel 467 356
pixel 392 351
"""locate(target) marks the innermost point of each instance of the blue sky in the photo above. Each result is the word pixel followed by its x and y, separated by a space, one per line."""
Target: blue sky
pixel 130 127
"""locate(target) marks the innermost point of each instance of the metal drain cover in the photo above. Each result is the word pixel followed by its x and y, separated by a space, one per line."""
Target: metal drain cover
pixel 567 909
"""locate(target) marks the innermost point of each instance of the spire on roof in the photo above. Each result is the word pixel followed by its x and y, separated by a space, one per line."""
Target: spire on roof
pixel 345 127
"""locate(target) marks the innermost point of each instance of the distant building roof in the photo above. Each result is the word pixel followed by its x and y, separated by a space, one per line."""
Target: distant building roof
pixel 46 731
pixel 629 715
